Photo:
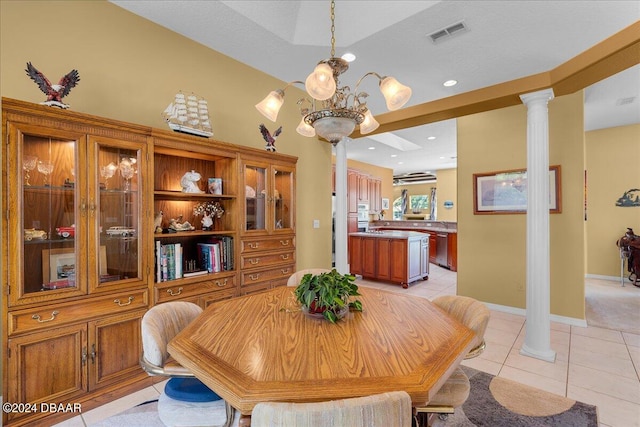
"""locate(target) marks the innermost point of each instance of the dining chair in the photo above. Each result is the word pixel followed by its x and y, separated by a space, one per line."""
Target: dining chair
pixel 392 409
pixel 454 392
pixel 186 401
pixel 295 278
pixel 471 313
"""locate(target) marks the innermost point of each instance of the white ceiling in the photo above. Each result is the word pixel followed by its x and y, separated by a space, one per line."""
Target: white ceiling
pixel 506 40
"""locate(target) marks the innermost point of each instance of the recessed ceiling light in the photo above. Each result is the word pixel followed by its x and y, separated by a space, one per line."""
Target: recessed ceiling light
pixel 372 148
pixel 431 138
pixel 400 163
pixel 449 83
pixel 349 57
pixel 442 157
pixel 394 155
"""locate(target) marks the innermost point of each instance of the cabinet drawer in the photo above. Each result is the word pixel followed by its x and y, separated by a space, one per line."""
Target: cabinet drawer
pixel 282 272
pixel 259 245
pixel 256 260
pixel 61 314
pixel 178 290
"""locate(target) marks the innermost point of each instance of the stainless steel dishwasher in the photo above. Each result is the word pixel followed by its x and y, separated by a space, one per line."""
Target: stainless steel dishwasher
pixel 442 249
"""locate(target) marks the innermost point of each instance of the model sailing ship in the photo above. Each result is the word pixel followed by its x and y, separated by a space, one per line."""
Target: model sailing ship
pixel 189 114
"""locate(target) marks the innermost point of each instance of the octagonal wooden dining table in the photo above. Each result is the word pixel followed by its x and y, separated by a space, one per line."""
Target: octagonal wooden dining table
pixel 261 347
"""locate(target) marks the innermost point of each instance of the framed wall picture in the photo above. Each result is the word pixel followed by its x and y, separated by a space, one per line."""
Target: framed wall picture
pixel 385 203
pixel 59 266
pixel 505 192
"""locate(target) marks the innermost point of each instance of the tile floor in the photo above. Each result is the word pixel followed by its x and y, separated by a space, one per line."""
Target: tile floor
pixel 594 365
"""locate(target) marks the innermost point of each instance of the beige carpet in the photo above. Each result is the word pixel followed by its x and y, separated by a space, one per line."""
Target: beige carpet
pixel 612 306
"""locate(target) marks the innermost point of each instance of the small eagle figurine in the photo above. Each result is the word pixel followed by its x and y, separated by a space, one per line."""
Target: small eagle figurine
pixel 271 140
pixel 54 93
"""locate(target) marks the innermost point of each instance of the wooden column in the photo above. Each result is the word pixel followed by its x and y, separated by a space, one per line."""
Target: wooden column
pixel 538 323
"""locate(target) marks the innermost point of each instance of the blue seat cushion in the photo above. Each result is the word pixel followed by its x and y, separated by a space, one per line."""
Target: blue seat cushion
pixel 189 390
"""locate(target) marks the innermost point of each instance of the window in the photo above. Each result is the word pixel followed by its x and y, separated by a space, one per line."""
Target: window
pixel 417 204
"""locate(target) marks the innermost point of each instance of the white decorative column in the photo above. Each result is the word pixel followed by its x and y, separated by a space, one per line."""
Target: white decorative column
pixel 537 341
pixel 342 263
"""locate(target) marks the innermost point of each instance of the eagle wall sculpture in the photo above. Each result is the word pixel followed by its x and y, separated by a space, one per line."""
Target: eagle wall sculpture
pixel 54 93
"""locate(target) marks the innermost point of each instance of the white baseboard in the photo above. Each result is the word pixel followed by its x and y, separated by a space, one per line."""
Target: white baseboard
pixel 598 276
pixel 522 312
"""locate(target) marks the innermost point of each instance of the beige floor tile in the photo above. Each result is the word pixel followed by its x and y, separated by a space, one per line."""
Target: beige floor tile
pixel 504 325
pixel 119 405
pixel 596 345
pixel 534 380
pixel 500 337
pixel 561 327
pixel 601 333
pixel 556 370
pixel 604 363
pixel 559 342
pixel 602 382
pixel 634 352
pixel 632 340
pixel 483 365
pixel 611 411
pixel 160 386
pixel 495 352
pixel 72 422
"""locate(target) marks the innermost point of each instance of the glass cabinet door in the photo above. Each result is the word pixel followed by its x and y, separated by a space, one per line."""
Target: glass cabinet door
pixel 116 218
pixel 44 214
pixel 283 198
pixel 255 197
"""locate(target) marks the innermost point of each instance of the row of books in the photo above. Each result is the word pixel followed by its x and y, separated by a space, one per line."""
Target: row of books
pixel 214 256
pixel 217 254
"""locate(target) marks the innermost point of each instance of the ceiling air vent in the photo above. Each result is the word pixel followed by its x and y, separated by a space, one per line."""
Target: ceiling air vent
pixel 451 30
pixel 625 101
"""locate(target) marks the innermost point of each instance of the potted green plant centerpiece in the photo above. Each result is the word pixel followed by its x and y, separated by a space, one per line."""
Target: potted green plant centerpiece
pixel 328 295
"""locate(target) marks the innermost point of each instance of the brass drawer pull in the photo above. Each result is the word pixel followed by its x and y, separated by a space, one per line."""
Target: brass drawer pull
pixel 254 276
pixel 117 301
pixel 39 319
pixel 254 261
pixel 253 245
pixel 221 284
pixel 285 270
pixel 284 256
pixel 170 292
pixel 284 242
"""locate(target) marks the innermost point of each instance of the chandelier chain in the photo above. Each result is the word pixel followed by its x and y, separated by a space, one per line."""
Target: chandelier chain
pixel 333 28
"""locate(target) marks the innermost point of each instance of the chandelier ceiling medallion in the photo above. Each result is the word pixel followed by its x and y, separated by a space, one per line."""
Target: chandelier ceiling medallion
pixel 333 112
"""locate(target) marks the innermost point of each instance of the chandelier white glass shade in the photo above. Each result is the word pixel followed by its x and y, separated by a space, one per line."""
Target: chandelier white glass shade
pixel 333 112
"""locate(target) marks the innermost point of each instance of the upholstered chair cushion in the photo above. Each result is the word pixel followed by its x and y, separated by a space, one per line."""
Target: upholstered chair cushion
pixel 468 311
pixel 160 324
pixel 391 409
pixel 295 278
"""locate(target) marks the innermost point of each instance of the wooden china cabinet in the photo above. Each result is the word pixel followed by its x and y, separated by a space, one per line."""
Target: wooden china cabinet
pixel 74 291
pixel 267 254
pixel 81 198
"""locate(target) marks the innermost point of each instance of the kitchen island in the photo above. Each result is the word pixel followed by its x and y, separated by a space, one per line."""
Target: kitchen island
pixel 394 256
pixel 443 240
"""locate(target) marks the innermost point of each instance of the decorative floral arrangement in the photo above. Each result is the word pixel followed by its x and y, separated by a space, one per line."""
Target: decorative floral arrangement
pixel 209 208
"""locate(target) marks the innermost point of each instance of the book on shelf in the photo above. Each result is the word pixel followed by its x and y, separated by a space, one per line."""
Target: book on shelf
pixel 194 273
pixel 168 261
pixel 216 254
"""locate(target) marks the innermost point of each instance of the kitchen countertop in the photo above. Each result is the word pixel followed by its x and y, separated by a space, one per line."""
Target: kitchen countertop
pixel 390 234
pixel 435 226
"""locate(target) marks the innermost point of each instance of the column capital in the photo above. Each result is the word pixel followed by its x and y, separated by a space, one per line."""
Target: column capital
pixel 541 95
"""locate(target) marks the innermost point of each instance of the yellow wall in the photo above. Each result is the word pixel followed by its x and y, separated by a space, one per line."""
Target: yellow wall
pixel 447 189
pixel 491 248
pixel 613 157
pixel 130 69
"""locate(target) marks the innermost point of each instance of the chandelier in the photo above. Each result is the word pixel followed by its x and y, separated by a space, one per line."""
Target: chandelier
pixel 333 111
